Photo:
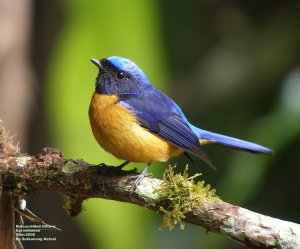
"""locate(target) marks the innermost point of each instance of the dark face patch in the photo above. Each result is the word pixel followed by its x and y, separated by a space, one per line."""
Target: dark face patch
pixel 114 81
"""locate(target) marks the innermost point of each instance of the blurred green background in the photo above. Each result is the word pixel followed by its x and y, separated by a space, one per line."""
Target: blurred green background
pixel 233 67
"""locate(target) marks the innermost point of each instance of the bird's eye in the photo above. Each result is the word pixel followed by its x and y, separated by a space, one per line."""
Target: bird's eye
pixel 120 75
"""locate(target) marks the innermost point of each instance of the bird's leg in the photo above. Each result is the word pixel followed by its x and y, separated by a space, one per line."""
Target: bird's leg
pixel 122 165
pixel 139 178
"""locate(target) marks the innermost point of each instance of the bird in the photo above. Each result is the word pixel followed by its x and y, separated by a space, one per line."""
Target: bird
pixel 136 122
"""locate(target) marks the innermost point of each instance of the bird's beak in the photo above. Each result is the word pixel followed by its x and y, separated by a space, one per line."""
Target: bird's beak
pixel 96 62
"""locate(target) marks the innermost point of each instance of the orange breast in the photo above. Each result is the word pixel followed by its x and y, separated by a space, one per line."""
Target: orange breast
pixel 117 130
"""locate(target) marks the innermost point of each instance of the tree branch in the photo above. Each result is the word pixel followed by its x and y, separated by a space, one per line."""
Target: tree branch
pixel 50 171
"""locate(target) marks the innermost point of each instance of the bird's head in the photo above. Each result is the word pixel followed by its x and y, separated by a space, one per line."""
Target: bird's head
pixel 119 76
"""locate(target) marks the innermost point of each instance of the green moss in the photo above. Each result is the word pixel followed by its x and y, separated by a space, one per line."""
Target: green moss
pixel 44 174
pixel 70 201
pixel 183 195
pixel 73 206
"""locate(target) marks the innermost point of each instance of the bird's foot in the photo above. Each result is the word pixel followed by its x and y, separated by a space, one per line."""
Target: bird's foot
pixel 138 180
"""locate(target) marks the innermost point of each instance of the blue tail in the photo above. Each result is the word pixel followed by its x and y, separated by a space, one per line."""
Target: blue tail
pixel 231 142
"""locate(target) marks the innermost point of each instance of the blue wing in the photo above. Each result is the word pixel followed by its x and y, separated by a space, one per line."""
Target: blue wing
pixel 161 116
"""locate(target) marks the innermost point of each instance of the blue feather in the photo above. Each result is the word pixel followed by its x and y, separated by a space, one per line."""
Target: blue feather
pixel 230 141
pixel 155 111
pixel 158 113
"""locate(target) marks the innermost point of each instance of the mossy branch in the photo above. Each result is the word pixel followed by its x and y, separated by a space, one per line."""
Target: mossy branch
pixel 176 197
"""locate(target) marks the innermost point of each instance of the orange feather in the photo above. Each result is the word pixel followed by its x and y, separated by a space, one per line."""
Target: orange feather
pixel 118 131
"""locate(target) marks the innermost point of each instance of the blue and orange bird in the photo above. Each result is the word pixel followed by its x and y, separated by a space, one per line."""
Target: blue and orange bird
pixel 136 122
